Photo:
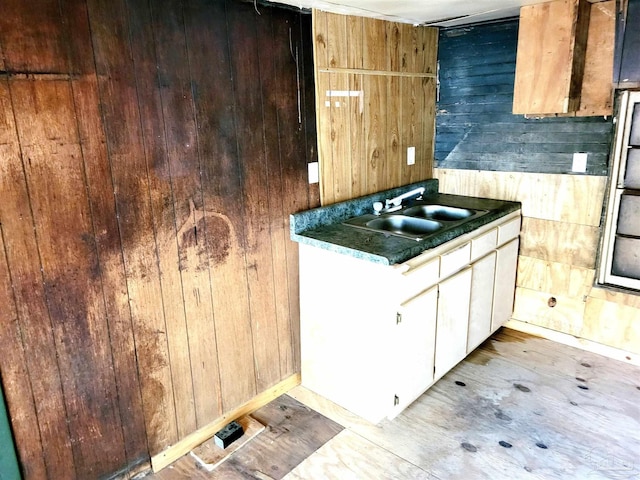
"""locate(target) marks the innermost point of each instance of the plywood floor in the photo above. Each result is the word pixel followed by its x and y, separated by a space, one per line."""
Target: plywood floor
pixel 518 407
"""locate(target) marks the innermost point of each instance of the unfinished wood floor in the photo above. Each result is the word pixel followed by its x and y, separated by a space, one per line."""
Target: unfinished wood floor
pixel 517 407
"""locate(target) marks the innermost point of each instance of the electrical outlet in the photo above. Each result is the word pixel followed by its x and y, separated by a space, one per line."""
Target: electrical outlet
pixel 579 162
pixel 411 155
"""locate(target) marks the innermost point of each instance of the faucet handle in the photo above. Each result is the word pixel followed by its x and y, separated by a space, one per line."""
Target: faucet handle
pixel 377 207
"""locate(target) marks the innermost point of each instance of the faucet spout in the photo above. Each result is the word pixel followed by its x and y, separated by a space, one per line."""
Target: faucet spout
pixel 397 201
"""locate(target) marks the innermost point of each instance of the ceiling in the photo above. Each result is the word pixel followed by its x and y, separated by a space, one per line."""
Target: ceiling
pixel 420 12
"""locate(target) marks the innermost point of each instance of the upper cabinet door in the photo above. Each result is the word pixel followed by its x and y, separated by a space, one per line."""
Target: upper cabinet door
pixel 565 58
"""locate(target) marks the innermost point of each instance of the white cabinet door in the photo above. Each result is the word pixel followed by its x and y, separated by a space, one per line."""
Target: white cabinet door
pixel 452 321
pixel 414 349
pixel 480 313
pixel 506 267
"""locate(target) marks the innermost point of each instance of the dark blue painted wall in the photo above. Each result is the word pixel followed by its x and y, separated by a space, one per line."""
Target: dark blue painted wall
pixel 475 129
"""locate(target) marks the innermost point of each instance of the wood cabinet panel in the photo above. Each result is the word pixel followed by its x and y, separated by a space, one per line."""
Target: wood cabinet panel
pixel 453 321
pixel 415 338
pixel 481 305
pixel 552 40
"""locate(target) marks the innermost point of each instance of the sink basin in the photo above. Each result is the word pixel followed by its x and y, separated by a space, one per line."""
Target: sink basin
pixel 439 212
pixel 416 221
pixel 404 225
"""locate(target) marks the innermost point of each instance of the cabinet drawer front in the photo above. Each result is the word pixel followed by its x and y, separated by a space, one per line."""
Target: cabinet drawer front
pixel 508 231
pixel 484 244
pixel 420 278
pixel 454 260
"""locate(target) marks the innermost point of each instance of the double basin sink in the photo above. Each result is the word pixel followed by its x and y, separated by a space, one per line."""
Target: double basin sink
pixel 416 221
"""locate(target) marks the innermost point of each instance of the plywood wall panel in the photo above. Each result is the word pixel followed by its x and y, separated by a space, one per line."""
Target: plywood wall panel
pixel 555 277
pixel 572 243
pixel 556 312
pixel 543 196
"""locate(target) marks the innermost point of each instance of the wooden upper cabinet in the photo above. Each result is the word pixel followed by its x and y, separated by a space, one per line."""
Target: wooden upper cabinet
pixel 552 40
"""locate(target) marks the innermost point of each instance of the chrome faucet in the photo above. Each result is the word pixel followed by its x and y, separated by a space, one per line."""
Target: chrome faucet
pixel 395 203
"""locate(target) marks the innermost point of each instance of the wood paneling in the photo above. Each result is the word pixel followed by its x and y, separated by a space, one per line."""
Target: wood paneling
pixel 147 170
pixel 475 127
pixel 375 91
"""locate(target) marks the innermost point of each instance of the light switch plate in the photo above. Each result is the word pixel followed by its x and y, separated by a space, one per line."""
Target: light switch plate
pixel 314 173
pixel 579 162
pixel 411 155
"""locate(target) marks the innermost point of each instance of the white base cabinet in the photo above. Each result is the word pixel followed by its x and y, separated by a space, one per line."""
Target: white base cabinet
pixel 375 337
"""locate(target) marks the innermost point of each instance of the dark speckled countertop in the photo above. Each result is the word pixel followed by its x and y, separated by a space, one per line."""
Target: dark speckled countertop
pixel 322 227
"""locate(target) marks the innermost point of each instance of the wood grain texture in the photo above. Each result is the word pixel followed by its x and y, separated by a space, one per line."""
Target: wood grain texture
pixel 490 408
pixel 144 222
pixel 21 291
pixel 612 323
pixel 363 133
pixel 556 277
pixel 40 45
pixel 569 243
pixel 550 63
pixel 549 310
pixel 293 432
pixel 543 196
pixel 348 455
pixel 596 96
pixel 46 125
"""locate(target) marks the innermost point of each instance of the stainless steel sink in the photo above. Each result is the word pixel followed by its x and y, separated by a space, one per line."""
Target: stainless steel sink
pixel 417 221
pixel 439 212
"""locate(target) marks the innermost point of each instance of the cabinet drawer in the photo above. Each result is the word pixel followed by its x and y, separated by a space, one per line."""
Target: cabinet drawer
pixel 508 231
pixel 420 278
pixel 454 260
pixel 484 243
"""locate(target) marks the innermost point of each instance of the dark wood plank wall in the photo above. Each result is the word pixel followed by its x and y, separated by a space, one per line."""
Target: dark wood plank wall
pixel 475 128
pixel 150 154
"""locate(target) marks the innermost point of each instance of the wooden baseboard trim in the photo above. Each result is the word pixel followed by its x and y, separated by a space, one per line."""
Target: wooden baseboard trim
pixel 571 341
pixel 188 443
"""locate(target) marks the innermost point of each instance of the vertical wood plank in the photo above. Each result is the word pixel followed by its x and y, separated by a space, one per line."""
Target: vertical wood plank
pixel 274 195
pixel 43 448
pixel 45 120
pixel 395 155
pixel 596 97
pixel 358 157
pixel 245 47
pixel 194 338
pixel 38 45
pixel 355 36
pixel 374 50
pixel 320 38
pixel 121 118
pixel 338 41
pixel 307 93
pixel 292 157
pixel 375 130
pixel 340 100
pixel 325 150
pixel 424 158
pixel 223 203
pixel 108 247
